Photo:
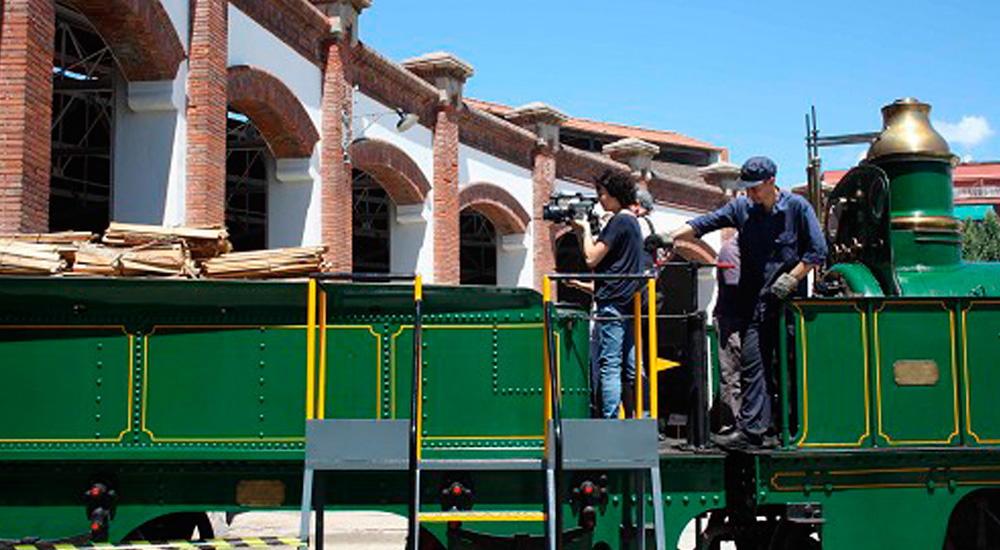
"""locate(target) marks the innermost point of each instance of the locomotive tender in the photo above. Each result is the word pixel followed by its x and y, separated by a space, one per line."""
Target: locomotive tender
pixel 131 407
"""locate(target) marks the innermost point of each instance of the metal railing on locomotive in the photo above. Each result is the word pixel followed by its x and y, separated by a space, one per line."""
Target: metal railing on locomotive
pixel 315 404
pixel 553 397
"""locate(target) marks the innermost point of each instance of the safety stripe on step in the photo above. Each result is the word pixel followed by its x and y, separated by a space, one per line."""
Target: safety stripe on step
pixel 211 544
pixel 429 517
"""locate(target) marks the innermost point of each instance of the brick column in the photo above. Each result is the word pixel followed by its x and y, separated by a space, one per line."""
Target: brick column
pixel 337 227
pixel 336 196
pixel 448 73
pixel 544 121
pixel 637 154
pixel 205 198
pixel 27 28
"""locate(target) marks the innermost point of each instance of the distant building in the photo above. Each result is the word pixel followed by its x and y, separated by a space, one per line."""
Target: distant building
pixel 977 188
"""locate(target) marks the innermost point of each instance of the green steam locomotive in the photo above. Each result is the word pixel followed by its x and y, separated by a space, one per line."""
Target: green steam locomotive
pixel 132 407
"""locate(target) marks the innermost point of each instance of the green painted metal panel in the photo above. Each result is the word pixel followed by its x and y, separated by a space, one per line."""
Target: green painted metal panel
pixel 65 384
pixel 225 383
pixel 859 279
pixel 833 372
pixel 353 371
pixel 980 350
pixel 922 331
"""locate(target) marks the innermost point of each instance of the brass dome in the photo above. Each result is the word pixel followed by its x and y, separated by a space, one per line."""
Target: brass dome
pixel 907 132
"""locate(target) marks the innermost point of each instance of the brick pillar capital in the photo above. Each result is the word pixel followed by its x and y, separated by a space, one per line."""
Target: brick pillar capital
pixel 445 71
pixel 637 154
pixel 343 16
pixel 541 119
pixel 721 174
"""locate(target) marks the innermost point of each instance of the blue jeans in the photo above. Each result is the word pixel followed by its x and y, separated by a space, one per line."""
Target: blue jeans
pixel 615 343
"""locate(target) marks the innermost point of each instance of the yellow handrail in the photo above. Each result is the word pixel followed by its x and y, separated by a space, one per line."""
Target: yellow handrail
pixel 654 402
pixel 418 297
pixel 321 389
pixel 637 314
pixel 311 351
pixel 547 382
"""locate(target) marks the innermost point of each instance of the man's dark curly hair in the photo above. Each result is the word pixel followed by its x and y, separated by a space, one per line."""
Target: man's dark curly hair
pixel 619 186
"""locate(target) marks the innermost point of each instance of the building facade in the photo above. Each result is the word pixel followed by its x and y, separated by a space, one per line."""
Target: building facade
pixel 273 118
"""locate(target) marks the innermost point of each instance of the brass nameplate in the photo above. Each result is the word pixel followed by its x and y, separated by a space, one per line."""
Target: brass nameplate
pixel 915 373
pixel 260 492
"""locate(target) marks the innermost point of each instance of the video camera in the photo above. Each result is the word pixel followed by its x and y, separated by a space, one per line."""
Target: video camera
pixel 563 207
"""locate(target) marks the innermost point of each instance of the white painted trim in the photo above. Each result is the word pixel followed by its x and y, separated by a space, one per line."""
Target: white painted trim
pixel 154 96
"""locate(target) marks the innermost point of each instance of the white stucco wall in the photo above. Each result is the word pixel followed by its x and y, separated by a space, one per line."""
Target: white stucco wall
pixel 150 148
pixel 412 242
pixel 293 207
pixel 150 153
pixel 515 263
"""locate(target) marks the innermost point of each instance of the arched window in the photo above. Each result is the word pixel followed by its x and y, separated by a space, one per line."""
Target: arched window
pixel 477 249
pixel 247 157
pixel 370 218
pixel 83 117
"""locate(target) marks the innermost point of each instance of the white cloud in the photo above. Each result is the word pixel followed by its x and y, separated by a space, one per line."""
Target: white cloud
pixel 970 131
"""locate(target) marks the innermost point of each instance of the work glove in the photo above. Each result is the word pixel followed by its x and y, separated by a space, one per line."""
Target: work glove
pixel 784 285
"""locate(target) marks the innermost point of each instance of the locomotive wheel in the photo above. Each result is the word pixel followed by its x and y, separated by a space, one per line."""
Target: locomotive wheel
pixel 179 526
pixel 793 536
pixel 975 523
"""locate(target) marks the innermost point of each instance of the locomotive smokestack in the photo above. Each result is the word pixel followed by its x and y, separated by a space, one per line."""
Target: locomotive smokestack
pixel 907 133
pixel 918 163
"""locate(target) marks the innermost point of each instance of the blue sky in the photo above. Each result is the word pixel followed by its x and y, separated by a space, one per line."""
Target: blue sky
pixel 738 73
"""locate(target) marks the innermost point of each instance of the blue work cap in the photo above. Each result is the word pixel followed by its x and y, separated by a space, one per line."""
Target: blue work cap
pixel 756 170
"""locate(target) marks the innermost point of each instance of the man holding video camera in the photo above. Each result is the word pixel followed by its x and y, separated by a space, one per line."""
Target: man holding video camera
pixel 617 250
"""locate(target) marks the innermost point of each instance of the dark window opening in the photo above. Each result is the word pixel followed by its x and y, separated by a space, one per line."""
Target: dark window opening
pixel 370 221
pixel 477 249
pixel 83 114
pixel 246 183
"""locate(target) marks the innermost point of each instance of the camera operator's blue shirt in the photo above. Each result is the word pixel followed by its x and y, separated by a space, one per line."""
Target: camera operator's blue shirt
pixel 623 238
pixel 770 243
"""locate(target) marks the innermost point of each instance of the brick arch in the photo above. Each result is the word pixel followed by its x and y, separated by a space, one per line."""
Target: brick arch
pixel 274 109
pixel 394 170
pixel 500 207
pixel 139 33
pixel 695 250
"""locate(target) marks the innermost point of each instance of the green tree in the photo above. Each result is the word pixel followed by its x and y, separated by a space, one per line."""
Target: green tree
pixel 981 239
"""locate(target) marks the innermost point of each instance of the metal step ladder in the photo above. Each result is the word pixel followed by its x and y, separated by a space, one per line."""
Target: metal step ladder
pixel 600 444
pixel 384 445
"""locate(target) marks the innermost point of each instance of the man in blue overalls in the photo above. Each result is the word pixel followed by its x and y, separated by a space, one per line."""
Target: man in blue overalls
pixel 780 242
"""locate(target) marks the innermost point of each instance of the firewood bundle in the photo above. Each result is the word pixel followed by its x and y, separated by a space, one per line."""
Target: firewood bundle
pixel 261 264
pixel 25 258
pixel 59 238
pixel 169 259
pixel 200 242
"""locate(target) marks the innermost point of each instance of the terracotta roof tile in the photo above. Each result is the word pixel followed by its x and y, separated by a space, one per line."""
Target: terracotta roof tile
pixel 662 137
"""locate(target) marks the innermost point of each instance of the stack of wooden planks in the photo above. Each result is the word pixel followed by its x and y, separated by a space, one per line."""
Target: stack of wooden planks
pixel 200 242
pixel 260 264
pixel 163 259
pixel 28 258
pixel 128 249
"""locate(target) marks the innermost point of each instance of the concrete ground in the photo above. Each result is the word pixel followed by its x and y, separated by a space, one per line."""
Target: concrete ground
pixel 346 530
